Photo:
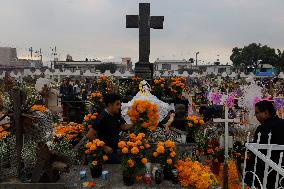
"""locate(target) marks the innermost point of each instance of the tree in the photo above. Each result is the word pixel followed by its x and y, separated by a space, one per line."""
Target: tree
pixel 106 66
pixel 280 63
pixel 253 55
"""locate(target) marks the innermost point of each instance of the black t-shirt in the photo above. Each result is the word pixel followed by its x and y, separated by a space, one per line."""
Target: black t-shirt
pixel 108 128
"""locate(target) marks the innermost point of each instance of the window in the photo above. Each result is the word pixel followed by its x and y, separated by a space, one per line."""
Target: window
pixel 221 70
pixel 166 67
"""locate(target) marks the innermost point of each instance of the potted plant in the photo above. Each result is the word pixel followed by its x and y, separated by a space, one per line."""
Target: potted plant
pixel 96 157
pixel 166 156
pixel 193 123
pixel 133 156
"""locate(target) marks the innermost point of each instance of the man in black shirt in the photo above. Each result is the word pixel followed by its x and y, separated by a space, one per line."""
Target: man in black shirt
pixel 270 123
pixel 108 125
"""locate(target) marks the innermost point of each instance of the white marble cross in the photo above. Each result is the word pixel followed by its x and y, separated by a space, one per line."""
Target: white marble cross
pixel 226 121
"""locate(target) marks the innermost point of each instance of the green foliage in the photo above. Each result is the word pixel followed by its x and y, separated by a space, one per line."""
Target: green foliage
pixel 106 66
pixel 253 55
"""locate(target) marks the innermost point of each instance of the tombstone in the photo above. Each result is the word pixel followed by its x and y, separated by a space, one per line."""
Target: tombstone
pixel 144 22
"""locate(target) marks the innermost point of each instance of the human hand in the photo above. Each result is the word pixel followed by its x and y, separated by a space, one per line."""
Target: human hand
pixel 108 149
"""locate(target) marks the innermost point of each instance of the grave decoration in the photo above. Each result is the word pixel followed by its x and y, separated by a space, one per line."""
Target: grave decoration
pixel 159 87
pixel 194 174
pixel 95 157
pixel 166 156
pixel 193 124
pixel 133 156
pixel 89 120
pixel 177 86
pixel 71 132
pixel 144 116
pixel 105 85
pixel 96 102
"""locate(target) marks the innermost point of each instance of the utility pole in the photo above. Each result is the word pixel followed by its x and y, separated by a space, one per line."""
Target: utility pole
pixel 31 51
pixel 196 58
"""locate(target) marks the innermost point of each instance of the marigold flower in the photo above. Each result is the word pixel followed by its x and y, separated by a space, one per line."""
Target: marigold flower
pixel 161 149
pixel 94 163
pixel 105 158
pixel 172 154
pixel 144 161
pixel 121 144
pixel 155 154
pixel 135 150
pixel 169 161
pixel 125 150
pixel 130 163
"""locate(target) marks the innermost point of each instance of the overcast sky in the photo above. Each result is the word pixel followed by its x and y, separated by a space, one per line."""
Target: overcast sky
pixel 96 28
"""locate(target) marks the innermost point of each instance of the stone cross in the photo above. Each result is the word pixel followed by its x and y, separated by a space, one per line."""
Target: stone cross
pixel 226 121
pixel 144 22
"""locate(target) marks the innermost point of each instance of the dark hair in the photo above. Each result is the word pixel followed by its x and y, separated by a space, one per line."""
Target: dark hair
pixel 266 106
pixel 111 98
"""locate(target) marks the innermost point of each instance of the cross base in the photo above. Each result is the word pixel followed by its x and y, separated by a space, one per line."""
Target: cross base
pixel 144 70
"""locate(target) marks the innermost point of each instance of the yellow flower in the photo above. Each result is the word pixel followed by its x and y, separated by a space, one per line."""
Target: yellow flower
pixel 134 150
pixel 155 154
pixel 130 163
pixel 201 122
pixel 125 150
pixel 172 154
pixel 105 158
pixel 93 147
pixel 121 144
pixel 101 143
pixel 161 149
pixel 94 163
pixel 138 178
pixel 144 161
pixel 169 161
pixel 88 145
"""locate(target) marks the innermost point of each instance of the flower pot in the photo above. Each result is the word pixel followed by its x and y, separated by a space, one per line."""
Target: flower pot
pixel 96 172
pixel 215 168
pixel 190 138
pixel 167 173
pixel 128 179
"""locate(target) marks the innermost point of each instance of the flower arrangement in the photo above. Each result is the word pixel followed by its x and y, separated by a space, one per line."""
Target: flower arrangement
pixel 144 116
pixel 234 179
pixel 104 84
pixel 213 153
pixel 177 85
pixel 96 100
pixel 215 98
pixel 3 133
pixel 159 86
pixel 95 153
pixel 194 174
pixel 89 120
pixel 133 153
pixel 165 154
pixel 193 123
pixel 39 108
pixel 230 101
pixel 72 132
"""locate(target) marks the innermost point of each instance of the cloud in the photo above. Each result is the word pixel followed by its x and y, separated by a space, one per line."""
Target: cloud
pixel 96 28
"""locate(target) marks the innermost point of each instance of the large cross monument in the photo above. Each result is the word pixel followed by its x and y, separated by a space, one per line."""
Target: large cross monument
pixel 144 22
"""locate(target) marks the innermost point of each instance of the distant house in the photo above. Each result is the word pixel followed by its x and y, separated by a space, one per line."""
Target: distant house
pixel 265 70
pixel 184 65
pixel 10 61
pixel 172 65
pixel 86 65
